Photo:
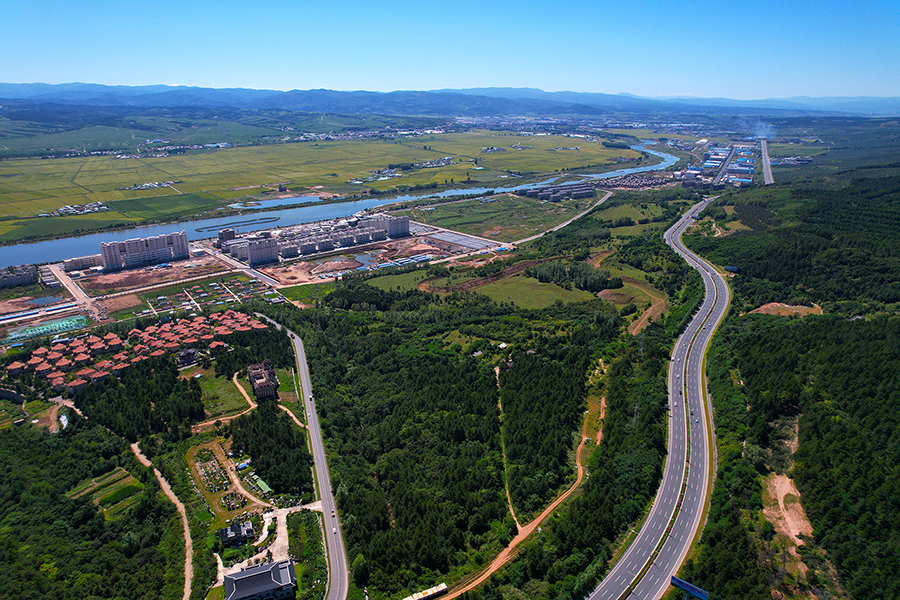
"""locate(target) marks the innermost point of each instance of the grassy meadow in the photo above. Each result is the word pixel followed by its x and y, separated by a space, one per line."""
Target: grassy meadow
pixel 208 178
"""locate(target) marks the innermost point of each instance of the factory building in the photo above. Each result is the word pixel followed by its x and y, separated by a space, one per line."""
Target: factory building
pixel 143 251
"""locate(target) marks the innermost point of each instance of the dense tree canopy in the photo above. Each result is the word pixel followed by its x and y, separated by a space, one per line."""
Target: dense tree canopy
pixel 54 547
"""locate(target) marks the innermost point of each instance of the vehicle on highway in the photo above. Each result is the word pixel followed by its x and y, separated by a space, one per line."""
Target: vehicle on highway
pixel 334 530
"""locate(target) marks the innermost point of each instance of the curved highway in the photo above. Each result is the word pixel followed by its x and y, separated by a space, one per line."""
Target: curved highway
pixel 645 569
pixel 338 577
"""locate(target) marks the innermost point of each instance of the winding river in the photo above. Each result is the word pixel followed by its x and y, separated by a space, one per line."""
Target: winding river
pixel 60 249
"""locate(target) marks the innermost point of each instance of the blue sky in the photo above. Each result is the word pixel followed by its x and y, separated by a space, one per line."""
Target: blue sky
pixel 743 50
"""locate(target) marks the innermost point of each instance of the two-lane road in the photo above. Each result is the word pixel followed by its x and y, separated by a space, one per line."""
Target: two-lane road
pixel 338 573
pixel 656 553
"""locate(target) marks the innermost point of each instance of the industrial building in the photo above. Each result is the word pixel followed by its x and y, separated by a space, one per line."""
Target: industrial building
pixel 144 251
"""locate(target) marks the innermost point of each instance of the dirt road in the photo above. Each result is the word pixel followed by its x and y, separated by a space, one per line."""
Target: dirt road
pixel 211 423
pixel 509 552
pixel 657 307
pixel 188 543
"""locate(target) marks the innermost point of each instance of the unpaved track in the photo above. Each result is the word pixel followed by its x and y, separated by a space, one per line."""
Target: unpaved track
pixel 188 543
pixel 209 424
pixel 509 552
pixel 656 308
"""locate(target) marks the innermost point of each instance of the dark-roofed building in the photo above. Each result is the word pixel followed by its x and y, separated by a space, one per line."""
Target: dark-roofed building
pixel 236 533
pixel 261 582
pixel 263 379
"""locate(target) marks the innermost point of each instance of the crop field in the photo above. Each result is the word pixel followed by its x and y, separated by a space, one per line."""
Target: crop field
pixel 113 492
pixel 31 186
pixel 505 218
pixel 196 295
pixel 528 292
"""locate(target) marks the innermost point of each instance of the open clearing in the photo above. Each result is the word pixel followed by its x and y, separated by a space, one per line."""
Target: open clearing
pixel 504 217
pixel 109 283
pixel 528 292
pixel 786 310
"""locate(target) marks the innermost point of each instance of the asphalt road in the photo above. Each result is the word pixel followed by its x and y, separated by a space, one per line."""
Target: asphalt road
pixel 657 551
pixel 766 164
pixel 337 556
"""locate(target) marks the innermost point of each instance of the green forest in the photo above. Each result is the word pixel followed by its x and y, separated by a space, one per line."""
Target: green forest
pixel 833 377
pixel 55 547
pixel 840 377
pixel 812 245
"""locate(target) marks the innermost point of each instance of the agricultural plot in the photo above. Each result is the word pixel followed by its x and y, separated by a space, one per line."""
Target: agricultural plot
pixel 504 217
pixel 32 186
pixel 114 492
pixel 207 293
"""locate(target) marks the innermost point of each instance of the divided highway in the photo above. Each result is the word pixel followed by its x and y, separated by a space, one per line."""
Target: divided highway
pixel 766 163
pixel 659 548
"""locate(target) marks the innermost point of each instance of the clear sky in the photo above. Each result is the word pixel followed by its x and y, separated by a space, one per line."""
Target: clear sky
pixel 743 50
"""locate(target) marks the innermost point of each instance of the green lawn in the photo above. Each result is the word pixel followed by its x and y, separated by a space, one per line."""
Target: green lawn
pixel 309 293
pixel 528 292
pixel 220 397
pixel 506 219
pixel 404 281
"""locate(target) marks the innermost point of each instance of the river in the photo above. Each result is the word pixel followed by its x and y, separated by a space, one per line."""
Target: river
pixel 60 249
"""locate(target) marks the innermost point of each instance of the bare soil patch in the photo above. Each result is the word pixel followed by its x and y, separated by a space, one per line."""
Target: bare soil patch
pixel 616 297
pixel 786 513
pixel 786 310
pixel 120 303
pixel 137 278
pixel 14 305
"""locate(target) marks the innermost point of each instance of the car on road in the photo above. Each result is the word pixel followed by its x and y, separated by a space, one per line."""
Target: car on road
pixel 696 420
pixel 334 530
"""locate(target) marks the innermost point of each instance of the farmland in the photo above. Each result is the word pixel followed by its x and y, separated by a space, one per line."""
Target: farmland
pixel 208 180
pixel 113 493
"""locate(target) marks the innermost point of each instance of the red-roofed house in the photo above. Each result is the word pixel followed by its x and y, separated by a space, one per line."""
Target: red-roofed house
pixel 64 364
pixel 40 351
pixel 118 369
pixel 53 356
pixel 99 376
pixel 16 368
pixel 78 384
pixel 58 384
pixel 58 348
pixel 85 373
pixel 82 359
pixel 157 353
pixel 43 369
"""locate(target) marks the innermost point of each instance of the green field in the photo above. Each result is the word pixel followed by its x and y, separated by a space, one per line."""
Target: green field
pixel 208 178
pixel 506 219
pixel 114 492
pixel 307 294
pixel 220 397
pixel 528 292
pixel 404 281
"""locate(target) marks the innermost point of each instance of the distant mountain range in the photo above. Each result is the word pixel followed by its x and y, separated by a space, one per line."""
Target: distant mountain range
pixel 474 102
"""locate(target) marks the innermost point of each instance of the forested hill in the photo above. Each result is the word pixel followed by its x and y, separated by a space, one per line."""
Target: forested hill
pixel 841 378
pixel 409 403
pixel 812 244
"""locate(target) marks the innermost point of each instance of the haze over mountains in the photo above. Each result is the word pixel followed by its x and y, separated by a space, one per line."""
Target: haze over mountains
pixel 474 102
